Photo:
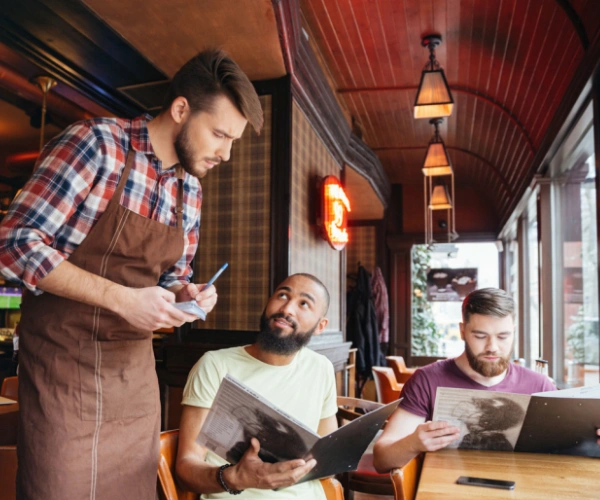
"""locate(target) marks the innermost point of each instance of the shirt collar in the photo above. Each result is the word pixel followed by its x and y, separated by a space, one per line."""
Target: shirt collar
pixel 140 139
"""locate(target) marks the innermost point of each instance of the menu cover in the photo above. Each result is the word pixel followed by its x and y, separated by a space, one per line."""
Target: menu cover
pixel 239 414
pixel 561 422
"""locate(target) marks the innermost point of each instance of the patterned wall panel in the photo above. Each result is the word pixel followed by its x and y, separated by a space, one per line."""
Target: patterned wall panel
pixel 308 251
pixel 235 228
pixel 361 248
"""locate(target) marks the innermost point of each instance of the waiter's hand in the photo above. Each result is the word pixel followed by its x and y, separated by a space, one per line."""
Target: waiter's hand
pixel 206 299
pixel 150 308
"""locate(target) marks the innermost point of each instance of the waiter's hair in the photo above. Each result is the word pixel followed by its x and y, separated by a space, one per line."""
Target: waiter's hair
pixel 322 285
pixel 488 302
pixel 211 74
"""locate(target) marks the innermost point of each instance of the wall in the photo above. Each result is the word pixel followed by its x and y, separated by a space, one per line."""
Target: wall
pixel 362 247
pixel 308 251
pixel 235 228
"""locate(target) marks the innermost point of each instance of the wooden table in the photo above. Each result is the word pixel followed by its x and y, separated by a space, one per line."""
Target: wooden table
pixel 537 476
pixel 9 415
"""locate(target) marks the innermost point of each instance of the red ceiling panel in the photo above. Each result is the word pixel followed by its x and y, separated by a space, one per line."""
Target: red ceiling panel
pixel 509 63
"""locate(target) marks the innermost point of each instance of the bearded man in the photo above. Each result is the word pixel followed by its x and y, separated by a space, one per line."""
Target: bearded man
pixel 102 237
pixel 488 330
pixel 280 368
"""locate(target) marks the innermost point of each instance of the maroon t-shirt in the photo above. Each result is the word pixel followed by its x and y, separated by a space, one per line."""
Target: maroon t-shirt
pixel 418 394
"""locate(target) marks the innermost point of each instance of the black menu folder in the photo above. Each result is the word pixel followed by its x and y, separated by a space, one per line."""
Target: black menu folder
pixel 239 413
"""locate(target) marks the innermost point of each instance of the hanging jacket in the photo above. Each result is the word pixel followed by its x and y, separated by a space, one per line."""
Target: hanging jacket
pixel 361 326
pixel 382 308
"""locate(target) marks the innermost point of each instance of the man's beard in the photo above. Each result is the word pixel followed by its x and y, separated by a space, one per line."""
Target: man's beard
pixel 487 368
pixel 185 153
pixel 271 339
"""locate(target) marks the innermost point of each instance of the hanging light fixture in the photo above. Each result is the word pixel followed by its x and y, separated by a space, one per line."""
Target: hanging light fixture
pixel 433 95
pixel 440 199
pixel 437 161
pixel 45 83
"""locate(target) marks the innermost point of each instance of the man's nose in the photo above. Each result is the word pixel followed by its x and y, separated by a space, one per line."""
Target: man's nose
pixel 287 309
pixel 492 345
pixel 224 152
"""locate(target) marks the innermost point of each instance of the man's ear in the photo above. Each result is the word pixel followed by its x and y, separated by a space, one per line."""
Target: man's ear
pixel 180 109
pixel 321 326
pixel 462 330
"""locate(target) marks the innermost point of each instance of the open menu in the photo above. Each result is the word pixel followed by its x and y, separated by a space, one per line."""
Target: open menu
pixel 239 414
pixel 561 422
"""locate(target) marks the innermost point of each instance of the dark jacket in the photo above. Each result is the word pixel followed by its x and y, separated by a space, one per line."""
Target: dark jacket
pixel 362 325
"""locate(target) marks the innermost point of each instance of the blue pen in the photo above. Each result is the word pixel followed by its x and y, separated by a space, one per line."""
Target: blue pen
pixel 214 278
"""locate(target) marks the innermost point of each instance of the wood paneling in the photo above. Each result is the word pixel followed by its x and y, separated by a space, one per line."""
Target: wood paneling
pixel 170 33
pixel 508 62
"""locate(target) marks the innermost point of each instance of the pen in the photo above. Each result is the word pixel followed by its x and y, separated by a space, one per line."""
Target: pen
pixel 214 278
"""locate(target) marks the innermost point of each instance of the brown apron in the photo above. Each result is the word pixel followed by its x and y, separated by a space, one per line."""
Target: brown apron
pixel 89 402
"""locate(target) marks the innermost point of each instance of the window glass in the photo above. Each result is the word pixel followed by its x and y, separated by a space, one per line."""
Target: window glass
pixel 574 173
pixel 436 318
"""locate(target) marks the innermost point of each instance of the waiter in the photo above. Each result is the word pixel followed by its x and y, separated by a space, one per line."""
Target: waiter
pixel 102 236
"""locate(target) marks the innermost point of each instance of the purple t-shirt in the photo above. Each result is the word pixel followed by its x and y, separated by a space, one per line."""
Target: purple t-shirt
pixel 418 394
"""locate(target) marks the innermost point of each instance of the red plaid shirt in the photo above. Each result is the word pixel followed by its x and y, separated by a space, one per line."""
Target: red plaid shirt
pixel 77 174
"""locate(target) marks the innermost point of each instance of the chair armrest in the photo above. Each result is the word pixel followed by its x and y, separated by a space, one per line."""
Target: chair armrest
pixel 332 488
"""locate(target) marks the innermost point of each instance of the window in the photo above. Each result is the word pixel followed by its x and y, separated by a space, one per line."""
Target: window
pixel 573 172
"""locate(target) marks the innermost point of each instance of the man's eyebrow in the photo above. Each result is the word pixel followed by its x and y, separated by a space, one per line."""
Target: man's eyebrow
pixel 308 296
pixel 286 288
pixel 481 332
pixel 222 132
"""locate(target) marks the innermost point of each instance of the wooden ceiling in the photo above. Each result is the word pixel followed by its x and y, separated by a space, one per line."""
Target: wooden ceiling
pixel 508 63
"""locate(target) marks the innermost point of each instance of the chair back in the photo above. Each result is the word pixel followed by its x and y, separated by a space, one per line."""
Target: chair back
pixel 351 408
pixel 397 364
pixel 10 388
pixel 406 479
pixel 388 388
pixel 167 488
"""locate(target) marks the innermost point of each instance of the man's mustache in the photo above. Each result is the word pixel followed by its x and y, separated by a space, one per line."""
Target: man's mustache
pixel 287 318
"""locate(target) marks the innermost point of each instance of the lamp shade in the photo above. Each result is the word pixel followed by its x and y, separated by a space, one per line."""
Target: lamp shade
pixel 433 96
pixel 440 199
pixel 437 161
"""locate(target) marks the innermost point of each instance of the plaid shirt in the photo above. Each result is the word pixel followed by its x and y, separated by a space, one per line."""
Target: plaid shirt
pixel 77 174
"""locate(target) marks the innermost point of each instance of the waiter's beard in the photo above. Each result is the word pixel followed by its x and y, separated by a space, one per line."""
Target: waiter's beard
pixel 185 153
pixel 274 340
pixel 487 368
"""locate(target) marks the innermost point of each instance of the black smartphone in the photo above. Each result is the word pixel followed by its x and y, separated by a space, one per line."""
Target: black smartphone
pixel 488 483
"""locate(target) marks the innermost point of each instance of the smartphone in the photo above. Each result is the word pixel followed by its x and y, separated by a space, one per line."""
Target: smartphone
pixel 488 483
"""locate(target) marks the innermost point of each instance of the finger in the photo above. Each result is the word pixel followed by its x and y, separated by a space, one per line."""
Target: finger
pixel 438 424
pixel 289 465
pixel 204 294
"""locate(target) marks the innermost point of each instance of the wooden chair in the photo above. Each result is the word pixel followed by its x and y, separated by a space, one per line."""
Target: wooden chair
pixel 406 479
pixel 352 408
pixel 388 388
pixel 365 479
pixel 8 472
pixel 397 364
pixel 10 388
pixel 167 488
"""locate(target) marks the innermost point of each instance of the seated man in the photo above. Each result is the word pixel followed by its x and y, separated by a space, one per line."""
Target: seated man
pixel 488 331
pixel 279 368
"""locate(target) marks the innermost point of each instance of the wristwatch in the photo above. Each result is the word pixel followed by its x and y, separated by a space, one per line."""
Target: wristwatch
pixel 222 480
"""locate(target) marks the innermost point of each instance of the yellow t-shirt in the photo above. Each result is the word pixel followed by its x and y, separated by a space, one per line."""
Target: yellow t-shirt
pixel 305 389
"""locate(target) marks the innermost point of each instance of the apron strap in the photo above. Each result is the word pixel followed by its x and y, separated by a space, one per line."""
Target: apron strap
pixel 179 208
pixel 124 176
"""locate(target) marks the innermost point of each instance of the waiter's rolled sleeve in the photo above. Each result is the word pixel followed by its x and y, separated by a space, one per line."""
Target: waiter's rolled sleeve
pixel 46 201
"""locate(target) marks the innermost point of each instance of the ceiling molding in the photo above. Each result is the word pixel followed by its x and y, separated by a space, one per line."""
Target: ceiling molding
pixel 461 89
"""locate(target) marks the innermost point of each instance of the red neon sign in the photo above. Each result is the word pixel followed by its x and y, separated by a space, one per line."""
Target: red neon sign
pixel 335 207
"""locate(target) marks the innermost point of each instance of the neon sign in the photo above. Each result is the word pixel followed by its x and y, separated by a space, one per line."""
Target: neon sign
pixel 334 212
